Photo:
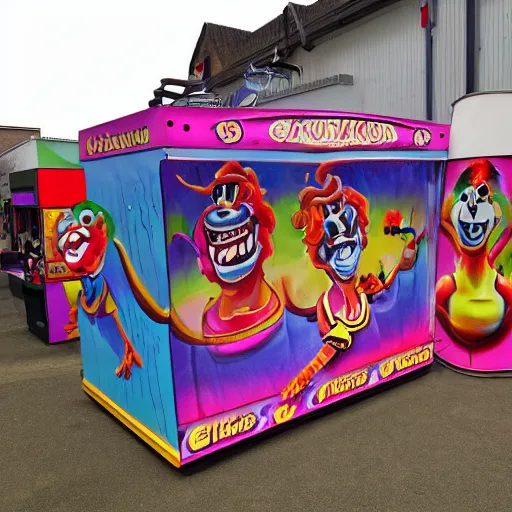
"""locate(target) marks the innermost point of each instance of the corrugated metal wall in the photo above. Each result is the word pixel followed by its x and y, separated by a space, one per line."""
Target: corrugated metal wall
pixel 494 51
pixel 449 56
pixel 385 54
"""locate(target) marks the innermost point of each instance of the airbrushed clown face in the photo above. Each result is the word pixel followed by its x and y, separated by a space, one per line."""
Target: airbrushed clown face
pixel 82 240
pixel 232 231
pixel 474 216
pixel 233 235
pixel 342 245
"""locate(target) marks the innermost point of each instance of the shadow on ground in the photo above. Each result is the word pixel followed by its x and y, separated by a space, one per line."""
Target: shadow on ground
pixel 440 442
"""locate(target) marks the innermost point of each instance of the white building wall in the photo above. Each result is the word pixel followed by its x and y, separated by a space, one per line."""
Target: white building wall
pixel 20 158
pixel 494 45
pixel 449 56
pixel 385 53
pixel 334 97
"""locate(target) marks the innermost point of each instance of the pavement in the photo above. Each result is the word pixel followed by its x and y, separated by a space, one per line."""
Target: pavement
pixel 439 443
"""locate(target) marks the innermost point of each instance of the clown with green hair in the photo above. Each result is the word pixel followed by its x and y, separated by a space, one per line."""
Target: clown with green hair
pixel 83 237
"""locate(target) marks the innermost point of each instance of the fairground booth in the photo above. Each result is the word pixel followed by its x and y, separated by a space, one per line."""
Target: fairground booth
pixel 243 267
pixel 44 178
pixel 474 267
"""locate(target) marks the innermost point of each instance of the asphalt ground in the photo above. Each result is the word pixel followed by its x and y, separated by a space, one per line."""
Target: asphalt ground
pixel 441 442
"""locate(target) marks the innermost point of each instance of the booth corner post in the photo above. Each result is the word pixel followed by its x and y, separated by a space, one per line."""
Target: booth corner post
pixel 474 288
pixel 44 179
pixel 230 279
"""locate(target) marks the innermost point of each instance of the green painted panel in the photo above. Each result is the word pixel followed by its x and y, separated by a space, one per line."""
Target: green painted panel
pixel 57 154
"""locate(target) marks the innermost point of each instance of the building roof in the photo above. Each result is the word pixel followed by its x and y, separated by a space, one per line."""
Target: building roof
pixel 298 25
pixel 34 139
pixel 19 128
pixel 57 139
pixel 221 38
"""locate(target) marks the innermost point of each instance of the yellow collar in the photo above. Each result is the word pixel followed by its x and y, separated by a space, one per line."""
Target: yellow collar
pixel 352 325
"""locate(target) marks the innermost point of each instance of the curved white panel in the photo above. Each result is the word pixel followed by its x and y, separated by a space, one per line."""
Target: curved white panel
pixel 481 126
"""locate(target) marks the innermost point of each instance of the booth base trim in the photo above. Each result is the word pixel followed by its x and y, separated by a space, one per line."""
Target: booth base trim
pixel 162 447
pixel 213 433
pixel 473 373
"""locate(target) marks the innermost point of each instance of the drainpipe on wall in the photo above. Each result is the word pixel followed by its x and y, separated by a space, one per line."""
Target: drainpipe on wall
pixel 429 59
pixel 300 27
pixel 470 45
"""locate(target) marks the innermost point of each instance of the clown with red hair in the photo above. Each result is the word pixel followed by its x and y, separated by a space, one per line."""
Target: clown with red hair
pixel 232 239
pixel 335 220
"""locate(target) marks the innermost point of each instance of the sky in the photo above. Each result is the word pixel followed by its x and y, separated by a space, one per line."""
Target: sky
pixel 67 65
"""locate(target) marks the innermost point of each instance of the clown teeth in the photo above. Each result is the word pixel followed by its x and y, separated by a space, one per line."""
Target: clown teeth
pixel 231 253
pixel 222 255
pixel 74 256
pixel 226 237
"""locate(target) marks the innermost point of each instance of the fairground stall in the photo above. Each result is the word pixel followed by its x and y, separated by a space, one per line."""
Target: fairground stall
pixel 474 288
pixel 44 177
pixel 245 267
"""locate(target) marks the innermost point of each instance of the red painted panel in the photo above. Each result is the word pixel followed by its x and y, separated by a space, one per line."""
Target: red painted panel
pixel 60 188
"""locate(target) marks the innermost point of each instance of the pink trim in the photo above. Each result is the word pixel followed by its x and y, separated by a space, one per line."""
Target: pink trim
pixel 197 128
pixel 264 409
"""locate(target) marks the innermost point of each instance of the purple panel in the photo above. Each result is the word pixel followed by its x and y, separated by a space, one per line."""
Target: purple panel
pixel 23 198
pixel 57 307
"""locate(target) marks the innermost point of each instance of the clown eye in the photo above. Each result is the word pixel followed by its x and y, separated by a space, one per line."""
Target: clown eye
pixel 483 191
pixel 86 218
pixel 464 197
pixel 217 193
pixel 348 220
pixel 336 207
pixel 326 211
pixel 226 192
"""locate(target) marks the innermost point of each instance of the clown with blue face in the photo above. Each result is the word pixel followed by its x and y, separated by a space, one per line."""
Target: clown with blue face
pixel 335 220
pixel 234 246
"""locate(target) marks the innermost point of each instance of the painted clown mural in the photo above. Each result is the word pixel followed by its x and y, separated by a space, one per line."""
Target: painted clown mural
pixel 335 221
pixel 83 240
pixel 232 239
pixel 277 279
pixel 287 275
pixel 474 288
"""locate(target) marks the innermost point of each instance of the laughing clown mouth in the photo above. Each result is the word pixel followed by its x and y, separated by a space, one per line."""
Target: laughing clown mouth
pixel 473 233
pixel 342 246
pixel 343 255
pixel 73 244
pixel 233 250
